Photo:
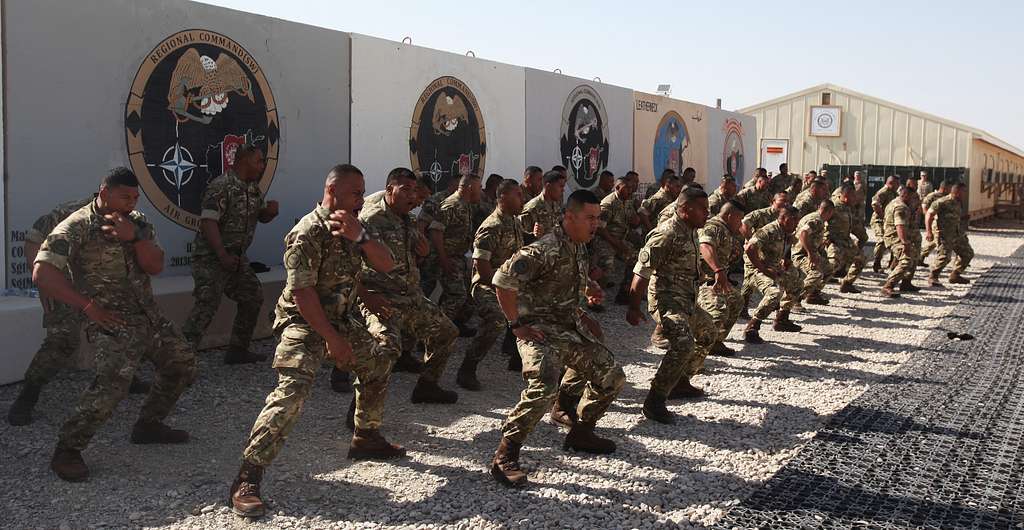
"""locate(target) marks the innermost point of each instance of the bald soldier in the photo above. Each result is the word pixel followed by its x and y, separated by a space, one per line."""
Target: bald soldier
pixel 724 193
pixel 773 274
pixel 497 239
pixel 605 184
pixel 720 243
pixel 451 237
pixel 809 199
pixel 810 255
pixel 897 225
pixel 315 322
pixel 667 272
pixel 752 222
pixel 540 290
pixel 843 254
pixel 946 215
pixel 232 205
pixel 879 203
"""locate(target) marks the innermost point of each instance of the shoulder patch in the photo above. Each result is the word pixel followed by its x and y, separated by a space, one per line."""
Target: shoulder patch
pixel 60 247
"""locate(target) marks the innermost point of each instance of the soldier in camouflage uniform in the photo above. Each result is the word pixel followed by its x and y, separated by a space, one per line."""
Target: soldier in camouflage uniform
pixel 914 238
pixel 488 199
pixel 540 291
pixel 897 225
pixel 232 204
pixel 667 270
pixel 409 312
pixel 451 237
pixel 62 323
pixel 542 214
pixel 857 204
pixel 497 239
pixel 756 196
pixel 111 251
pixel 809 199
pixel 945 214
pixel 724 193
pixel 878 204
pixel 720 246
pixel 605 184
pixel 773 275
pixel 612 244
pixel 651 207
pixel 533 183
pixel 751 223
pixel 843 253
pixel 930 244
pixel 429 268
pixel 810 255
pixel 315 322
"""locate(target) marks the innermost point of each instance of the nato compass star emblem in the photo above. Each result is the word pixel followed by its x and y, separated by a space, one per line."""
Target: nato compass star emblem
pixel 577 158
pixel 177 167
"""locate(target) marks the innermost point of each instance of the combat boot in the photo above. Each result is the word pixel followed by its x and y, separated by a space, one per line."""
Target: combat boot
pixel 847 287
pixel 370 444
pixel 505 465
pixel 750 333
pixel 816 298
pixel 907 287
pixel 887 290
pixel 563 410
pixel 955 277
pixel 658 338
pixel 21 410
pixel 245 492
pixel 350 418
pixel 408 363
pixel 685 390
pixel 139 386
pixel 654 409
pixel 581 438
pixel 783 323
pixel 237 355
pixel 877 266
pixel 721 350
pixel 466 377
pixel 341 382
pixel 464 330
pixel 68 465
pixel 157 433
pixel 427 391
pixel 933 279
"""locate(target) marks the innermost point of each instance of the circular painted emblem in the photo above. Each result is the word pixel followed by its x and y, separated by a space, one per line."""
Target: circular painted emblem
pixel 584 140
pixel 732 153
pixel 196 98
pixel 670 143
pixel 825 120
pixel 446 138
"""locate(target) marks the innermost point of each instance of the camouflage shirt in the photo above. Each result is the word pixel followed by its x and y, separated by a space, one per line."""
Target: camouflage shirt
pixel 779 183
pixel 45 224
pixel 751 199
pixel 235 206
pixel 946 214
pixel 103 268
pixel 313 258
pixel 400 234
pixel 599 192
pixel 431 207
pixel 723 242
pixel 615 215
pixel 670 259
pixel 805 203
pixel 715 202
pixel 497 239
pixel 653 205
pixel 897 213
pixel 547 214
pixel 772 243
pixel 455 221
pixel 758 219
pixel 814 225
pixel 838 227
pixel 926 203
pixel 882 200
pixel 550 276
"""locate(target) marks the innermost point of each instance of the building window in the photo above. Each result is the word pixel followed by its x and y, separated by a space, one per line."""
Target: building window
pixel 826 98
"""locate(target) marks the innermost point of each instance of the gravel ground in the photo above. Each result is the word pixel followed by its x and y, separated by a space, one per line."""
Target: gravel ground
pixel 762 407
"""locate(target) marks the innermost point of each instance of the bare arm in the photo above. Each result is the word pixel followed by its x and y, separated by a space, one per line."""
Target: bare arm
pixel 211 232
pixel 755 259
pixel 928 216
pixel 54 284
pixel 721 274
pixel 902 232
pixel 483 267
pixel 149 256
pixel 31 249
pixel 378 256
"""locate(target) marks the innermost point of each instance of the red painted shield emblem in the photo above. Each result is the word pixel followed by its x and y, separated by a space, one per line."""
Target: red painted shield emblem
pixel 465 164
pixel 228 147
pixel 595 160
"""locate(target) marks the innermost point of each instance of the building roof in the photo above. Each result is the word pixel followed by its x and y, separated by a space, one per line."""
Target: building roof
pixel 978 133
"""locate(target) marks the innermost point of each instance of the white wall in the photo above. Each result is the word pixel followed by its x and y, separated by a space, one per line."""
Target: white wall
pixel 387 80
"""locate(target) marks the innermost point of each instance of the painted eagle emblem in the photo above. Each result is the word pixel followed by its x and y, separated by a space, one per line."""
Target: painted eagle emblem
pixel 201 86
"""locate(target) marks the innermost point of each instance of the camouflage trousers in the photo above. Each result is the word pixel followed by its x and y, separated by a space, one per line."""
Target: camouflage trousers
pixel 614 265
pixel 543 363
pixel 814 277
pixel 903 257
pixel 747 288
pixel 724 309
pixel 879 232
pixel 300 353
pixel 63 336
pixel 118 353
pixel 429 271
pixel 416 316
pixel 455 300
pixel 492 322
pixel 946 248
pixel 928 248
pixel 690 332
pixel 859 230
pixel 211 283
pixel 846 257
pixel 782 294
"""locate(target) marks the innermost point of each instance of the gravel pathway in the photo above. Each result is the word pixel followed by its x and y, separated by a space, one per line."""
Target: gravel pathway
pixel 763 407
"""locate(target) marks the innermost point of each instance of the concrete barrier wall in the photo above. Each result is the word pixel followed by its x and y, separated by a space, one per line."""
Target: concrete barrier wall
pixel 732 146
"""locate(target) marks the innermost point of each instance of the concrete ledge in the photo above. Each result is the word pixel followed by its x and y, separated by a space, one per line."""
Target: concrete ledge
pixel 21 321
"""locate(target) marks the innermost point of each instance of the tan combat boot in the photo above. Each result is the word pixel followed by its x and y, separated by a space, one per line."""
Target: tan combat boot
pixel 581 437
pixel 245 492
pixel 370 444
pixel 505 465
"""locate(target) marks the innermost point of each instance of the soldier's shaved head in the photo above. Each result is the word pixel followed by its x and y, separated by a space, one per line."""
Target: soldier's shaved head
pixel 340 172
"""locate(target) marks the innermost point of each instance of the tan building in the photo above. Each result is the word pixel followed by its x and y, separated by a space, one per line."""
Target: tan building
pixel 834 128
